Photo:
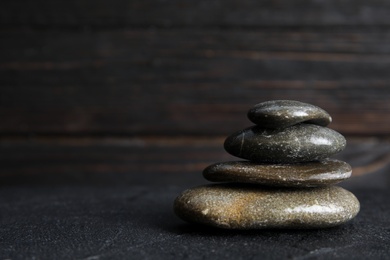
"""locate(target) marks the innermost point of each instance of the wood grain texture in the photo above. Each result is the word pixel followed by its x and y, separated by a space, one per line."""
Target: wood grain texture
pixel 193 13
pixel 188 82
pixel 148 67
pixel 120 159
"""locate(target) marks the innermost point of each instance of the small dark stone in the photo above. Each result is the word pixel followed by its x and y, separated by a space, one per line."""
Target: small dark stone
pixel 284 113
pixel 298 143
pixel 310 174
pixel 235 206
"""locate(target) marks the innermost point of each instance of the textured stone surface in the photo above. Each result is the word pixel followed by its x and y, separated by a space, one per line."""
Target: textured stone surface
pixel 298 143
pixel 247 207
pixel 284 113
pixel 310 174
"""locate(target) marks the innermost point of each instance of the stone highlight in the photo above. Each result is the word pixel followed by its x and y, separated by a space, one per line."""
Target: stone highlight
pixel 247 207
pixel 295 144
pixel 311 174
pixel 284 113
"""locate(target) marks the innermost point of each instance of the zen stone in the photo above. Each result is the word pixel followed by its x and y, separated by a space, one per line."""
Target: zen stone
pixel 298 143
pixel 311 174
pixel 284 113
pixel 248 207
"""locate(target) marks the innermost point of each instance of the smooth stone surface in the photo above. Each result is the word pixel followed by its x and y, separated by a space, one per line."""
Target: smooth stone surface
pixel 248 207
pixel 299 143
pixel 284 113
pixel 311 174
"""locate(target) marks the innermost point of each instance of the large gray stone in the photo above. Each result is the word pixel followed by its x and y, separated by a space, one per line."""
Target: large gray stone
pixel 298 143
pixel 284 113
pixel 310 174
pixel 248 207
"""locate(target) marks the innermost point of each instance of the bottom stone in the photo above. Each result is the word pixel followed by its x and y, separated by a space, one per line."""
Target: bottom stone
pixel 234 206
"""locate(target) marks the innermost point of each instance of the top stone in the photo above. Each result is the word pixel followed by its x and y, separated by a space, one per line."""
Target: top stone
pixel 279 114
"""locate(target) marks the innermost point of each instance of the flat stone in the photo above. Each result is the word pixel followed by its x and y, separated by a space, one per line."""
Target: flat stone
pixel 310 174
pixel 298 143
pixel 284 113
pixel 248 207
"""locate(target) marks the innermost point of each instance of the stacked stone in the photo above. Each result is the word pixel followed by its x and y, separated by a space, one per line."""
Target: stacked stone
pixel 287 179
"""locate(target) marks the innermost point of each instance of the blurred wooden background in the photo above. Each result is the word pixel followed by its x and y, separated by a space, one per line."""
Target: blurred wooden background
pixel 92 86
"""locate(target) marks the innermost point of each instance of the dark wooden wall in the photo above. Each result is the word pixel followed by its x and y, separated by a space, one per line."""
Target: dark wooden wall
pixel 162 69
pixel 189 67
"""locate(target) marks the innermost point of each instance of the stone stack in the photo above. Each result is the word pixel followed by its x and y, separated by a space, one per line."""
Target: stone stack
pixel 286 180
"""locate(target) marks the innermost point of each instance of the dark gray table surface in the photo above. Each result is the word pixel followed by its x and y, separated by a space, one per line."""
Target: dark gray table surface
pixel 135 221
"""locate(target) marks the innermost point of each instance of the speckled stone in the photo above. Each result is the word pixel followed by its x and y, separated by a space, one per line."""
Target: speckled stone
pixel 298 143
pixel 310 174
pixel 284 113
pixel 247 207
